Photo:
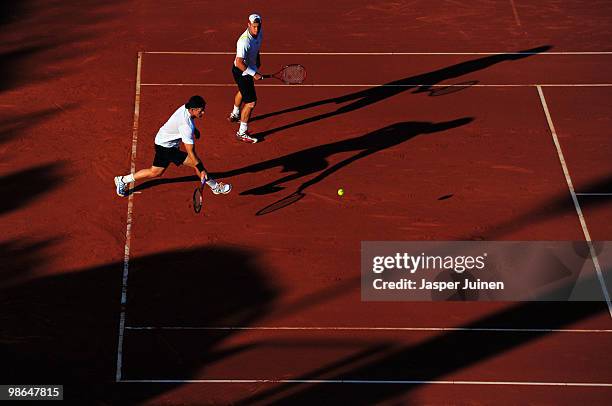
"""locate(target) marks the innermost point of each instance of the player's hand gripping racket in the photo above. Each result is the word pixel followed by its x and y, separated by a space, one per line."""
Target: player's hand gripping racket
pixel 290 74
pixel 197 198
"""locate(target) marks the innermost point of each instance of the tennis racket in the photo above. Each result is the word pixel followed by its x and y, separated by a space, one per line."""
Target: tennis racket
pixel 290 74
pixel 197 198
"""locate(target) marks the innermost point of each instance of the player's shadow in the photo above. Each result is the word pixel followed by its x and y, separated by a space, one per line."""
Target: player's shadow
pixel 162 181
pixel 436 358
pixel 375 94
pixel 63 328
pixel 316 159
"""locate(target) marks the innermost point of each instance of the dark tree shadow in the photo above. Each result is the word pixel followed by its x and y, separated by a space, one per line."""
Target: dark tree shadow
pixel 54 28
pixel 375 94
pixel 24 186
pixel 64 328
pixel 553 207
pixel 601 186
pixel 17 125
pixel 434 358
pixel 11 11
pixel 20 259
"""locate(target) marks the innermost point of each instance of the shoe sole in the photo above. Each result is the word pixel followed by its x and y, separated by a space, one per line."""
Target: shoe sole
pixel 222 193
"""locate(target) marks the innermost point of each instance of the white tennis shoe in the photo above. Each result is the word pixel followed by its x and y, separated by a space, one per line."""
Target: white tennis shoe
pixel 246 137
pixel 121 186
pixel 221 188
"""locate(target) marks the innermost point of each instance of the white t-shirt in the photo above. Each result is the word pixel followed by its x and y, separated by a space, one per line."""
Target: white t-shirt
pixel 247 48
pixel 179 127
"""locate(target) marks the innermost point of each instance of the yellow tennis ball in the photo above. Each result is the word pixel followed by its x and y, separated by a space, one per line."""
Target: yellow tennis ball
pixel 340 192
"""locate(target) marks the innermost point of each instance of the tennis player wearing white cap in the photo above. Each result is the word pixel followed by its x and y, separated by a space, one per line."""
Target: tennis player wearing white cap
pixel 244 70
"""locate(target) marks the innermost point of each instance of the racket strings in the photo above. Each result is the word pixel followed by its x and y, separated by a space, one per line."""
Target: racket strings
pixel 197 200
pixel 293 74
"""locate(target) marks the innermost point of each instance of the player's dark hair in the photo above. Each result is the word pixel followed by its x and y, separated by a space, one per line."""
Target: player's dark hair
pixel 195 102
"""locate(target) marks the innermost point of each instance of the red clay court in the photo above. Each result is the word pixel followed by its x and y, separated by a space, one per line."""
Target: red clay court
pixel 442 121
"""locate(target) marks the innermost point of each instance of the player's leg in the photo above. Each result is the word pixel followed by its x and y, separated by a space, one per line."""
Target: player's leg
pixel 122 182
pixel 249 99
pixel 245 115
pixel 149 173
pixel 235 114
pixel 238 99
pixel 160 163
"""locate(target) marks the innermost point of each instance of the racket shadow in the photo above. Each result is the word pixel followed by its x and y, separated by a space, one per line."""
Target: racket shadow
pixel 454 88
pixel 282 203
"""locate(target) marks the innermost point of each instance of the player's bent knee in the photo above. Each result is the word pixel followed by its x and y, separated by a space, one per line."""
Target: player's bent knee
pixel 251 104
pixel 189 162
pixel 157 172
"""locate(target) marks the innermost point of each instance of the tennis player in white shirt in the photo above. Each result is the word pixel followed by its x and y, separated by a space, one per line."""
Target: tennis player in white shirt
pixel 245 72
pixel 180 127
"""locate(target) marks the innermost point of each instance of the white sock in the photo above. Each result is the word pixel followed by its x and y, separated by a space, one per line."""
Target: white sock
pixel 128 178
pixel 243 127
pixel 236 111
pixel 212 183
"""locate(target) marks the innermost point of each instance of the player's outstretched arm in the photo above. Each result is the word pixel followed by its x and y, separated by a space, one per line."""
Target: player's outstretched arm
pixel 194 161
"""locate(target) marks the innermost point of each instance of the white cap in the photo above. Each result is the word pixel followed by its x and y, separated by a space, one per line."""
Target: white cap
pixel 254 17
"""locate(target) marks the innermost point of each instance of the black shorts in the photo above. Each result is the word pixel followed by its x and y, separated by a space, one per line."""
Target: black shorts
pixel 163 156
pixel 246 85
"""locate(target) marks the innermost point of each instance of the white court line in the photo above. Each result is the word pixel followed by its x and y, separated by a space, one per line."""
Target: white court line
pixel 387 85
pixel 128 227
pixel 593 194
pixel 122 326
pixel 516 16
pixel 347 328
pixel 381 53
pixel 371 382
pixel 570 186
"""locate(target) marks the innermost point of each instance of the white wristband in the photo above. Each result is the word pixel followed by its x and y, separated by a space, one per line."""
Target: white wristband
pixel 249 71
